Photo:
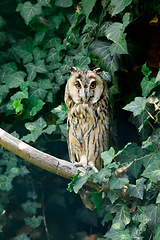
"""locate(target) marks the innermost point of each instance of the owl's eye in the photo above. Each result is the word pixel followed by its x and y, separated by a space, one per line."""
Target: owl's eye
pixel 93 85
pixel 78 85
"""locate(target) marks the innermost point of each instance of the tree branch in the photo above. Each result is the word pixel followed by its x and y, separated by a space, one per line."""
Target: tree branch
pixel 50 163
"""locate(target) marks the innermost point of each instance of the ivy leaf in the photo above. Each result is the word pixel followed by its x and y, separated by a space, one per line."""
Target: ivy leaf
pixel 137 106
pixel 60 112
pixel 119 5
pixel 109 63
pixel 96 198
pixel 13 78
pixel 64 3
pixel 153 212
pixel 38 105
pixel 147 85
pixel 83 58
pixel 117 183
pixel 5 183
pixel 50 129
pixel 36 91
pixel 153 170
pixel 60 79
pixel 22 236
pixel 117 234
pixel 113 195
pixel 63 129
pixel 138 189
pixel 123 215
pixel 104 172
pixel 88 6
pixel 33 69
pixel 108 156
pixel 29 207
pixel 39 36
pixel 119 47
pixel 36 129
pixel 53 56
pixel 38 55
pixel 108 217
pixel 80 182
pixel 33 221
pixel 157 233
pixel 28 10
pixel 145 70
pixel 24 52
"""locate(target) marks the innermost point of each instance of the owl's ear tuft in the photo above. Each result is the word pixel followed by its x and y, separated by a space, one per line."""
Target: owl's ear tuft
pixel 98 70
pixel 73 70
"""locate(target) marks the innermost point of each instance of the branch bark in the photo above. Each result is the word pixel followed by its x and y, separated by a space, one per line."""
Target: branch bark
pixel 50 163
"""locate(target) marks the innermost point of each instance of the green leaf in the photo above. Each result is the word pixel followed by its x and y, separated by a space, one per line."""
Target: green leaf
pixel 114 32
pixel 83 58
pixel 157 233
pixel 5 183
pixel 158 198
pixel 117 183
pixel 63 129
pixel 35 91
pixel 38 55
pixel 33 69
pixel 108 217
pixel 24 52
pixel 119 5
pixel 13 78
pixel 60 112
pixel 138 189
pixel 29 207
pixel 36 129
pixel 80 182
pixel 147 85
pixel 60 79
pixel 22 236
pixel 71 184
pixel 88 6
pixel 53 56
pixel 38 105
pixel 113 195
pixel 64 3
pixel 28 10
pixel 153 170
pixel 104 172
pixel 50 129
pixel 39 36
pixel 33 221
pixel 132 152
pixel 123 215
pixel 145 70
pixel 108 156
pixel 109 63
pixel 137 106
pixel 119 47
pixel 116 234
pixel 153 212
pixel 96 198
pixel 57 20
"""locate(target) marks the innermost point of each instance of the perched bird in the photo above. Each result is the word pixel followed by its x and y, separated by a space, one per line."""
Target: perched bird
pixel 89 117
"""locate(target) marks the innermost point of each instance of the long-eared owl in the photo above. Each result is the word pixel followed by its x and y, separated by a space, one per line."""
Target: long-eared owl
pixel 89 116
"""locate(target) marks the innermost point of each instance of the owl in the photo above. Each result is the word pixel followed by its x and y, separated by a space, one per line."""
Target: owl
pixel 89 117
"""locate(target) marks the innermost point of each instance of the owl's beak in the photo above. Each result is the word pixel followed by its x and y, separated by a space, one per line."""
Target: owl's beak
pixel 86 93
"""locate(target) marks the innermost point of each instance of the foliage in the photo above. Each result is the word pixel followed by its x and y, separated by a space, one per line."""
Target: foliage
pixel 40 40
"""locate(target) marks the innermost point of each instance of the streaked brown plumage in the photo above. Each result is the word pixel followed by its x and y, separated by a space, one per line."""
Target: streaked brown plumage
pixel 89 116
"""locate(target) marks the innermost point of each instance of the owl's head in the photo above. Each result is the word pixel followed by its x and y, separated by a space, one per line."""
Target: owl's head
pixel 85 86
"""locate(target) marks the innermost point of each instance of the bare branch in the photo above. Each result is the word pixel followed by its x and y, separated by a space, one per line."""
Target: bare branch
pixel 50 163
